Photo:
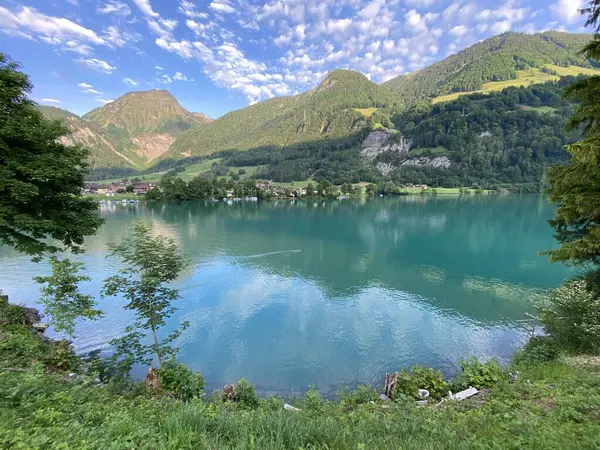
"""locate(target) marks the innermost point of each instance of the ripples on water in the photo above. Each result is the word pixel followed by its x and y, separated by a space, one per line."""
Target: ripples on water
pixel 332 293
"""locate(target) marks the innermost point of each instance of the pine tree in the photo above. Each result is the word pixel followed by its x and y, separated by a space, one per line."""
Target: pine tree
pixel 575 186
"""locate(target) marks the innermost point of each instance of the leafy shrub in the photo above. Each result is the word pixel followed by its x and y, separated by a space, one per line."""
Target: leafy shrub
pixel 362 394
pixel 11 314
pixel 61 357
pixel 477 374
pixel 313 401
pixel 420 377
pixel 539 349
pixel 181 382
pixel 245 394
pixel 571 316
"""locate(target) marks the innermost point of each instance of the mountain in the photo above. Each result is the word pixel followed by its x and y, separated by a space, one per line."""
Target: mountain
pixel 145 122
pixel 343 103
pixel 508 56
pixel 104 151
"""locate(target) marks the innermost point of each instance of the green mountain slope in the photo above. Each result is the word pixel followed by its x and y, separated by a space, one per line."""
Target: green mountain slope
pixel 339 106
pixel 496 59
pixel 145 122
pixel 104 151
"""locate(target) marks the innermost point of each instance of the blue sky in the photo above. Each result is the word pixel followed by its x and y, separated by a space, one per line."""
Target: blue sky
pixel 216 56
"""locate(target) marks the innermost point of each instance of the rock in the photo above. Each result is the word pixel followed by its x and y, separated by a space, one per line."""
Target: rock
pixel 290 408
pixel 378 142
pixel 71 377
pixel 384 398
pixel 152 380
pixel 40 327
pixel 512 377
pixel 421 403
pixel 229 391
pixel 424 394
pixel 439 162
pixel 463 394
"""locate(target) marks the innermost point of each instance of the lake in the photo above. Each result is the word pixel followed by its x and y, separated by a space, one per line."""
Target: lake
pixel 332 293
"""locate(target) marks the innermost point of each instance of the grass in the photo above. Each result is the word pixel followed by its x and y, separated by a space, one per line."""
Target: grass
pixel 443 191
pixel 126 196
pixel 367 112
pixel 524 78
pixel 572 70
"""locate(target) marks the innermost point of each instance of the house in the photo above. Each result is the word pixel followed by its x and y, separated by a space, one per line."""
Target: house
pixel 141 188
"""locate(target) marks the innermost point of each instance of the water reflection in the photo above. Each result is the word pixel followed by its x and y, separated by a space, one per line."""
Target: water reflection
pixel 292 293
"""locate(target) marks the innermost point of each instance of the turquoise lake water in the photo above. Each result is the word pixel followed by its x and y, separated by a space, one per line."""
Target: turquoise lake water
pixel 332 293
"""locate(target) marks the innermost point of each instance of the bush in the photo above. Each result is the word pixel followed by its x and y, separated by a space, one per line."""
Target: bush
pixel 181 382
pixel 245 394
pixel 313 401
pixel 361 395
pixel 539 350
pixel 571 316
pixel 477 374
pixel 11 314
pixel 420 378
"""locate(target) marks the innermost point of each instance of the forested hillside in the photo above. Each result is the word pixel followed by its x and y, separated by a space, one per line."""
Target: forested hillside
pixel 344 102
pixel 508 137
pixel 495 59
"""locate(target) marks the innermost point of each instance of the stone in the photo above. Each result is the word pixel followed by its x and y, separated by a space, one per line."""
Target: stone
pixel 423 394
pixel 463 394
pixel 290 408
pixel 384 398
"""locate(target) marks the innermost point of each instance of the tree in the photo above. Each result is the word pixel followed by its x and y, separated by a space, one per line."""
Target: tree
pixel 41 179
pixel 151 263
pixel 575 186
pixel 62 301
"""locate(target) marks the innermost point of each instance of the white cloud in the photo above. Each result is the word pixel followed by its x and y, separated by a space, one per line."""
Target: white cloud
pixel 450 11
pixel 115 7
pixel 119 38
pixel 414 22
pixel 501 27
pixel 54 30
pixel 159 68
pixel 85 85
pixel 102 100
pixel 52 101
pixel 92 91
pixel 188 9
pixel 222 6
pixel 567 9
pixel 129 81
pixel 179 76
pixel 459 31
pixel 146 8
pixel 97 64
pixel 419 3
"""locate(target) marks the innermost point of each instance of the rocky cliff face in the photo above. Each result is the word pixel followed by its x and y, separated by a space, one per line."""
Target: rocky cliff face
pixel 379 142
pixel 386 142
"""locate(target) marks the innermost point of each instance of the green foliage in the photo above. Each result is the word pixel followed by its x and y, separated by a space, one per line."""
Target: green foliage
pixel 40 178
pixel 538 350
pixel 245 394
pixel 477 374
pixel 361 395
pixel 181 382
pixel 495 59
pixel 11 314
pixel 61 297
pixel 491 140
pixel 571 317
pixel 420 377
pixel 313 401
pixel 150 263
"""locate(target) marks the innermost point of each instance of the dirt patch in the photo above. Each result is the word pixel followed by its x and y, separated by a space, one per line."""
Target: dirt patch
pixel 151 146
